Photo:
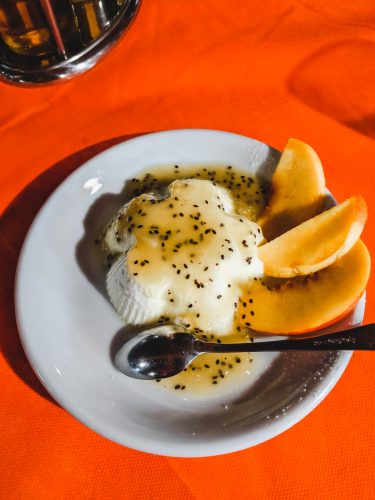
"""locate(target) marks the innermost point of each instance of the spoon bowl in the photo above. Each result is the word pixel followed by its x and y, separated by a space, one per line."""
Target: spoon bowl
pixel 159 352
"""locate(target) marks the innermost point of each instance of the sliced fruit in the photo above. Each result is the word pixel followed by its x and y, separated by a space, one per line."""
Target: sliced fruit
pixel 298 189
pixel 316 243
pixel 307 303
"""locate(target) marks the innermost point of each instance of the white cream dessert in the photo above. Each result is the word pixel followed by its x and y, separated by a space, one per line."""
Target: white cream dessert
pixel 182 258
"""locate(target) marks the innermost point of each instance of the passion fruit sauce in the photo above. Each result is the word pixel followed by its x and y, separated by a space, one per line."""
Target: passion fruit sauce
pixel 212 371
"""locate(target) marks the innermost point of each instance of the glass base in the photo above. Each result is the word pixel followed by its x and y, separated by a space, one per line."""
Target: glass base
pixel 78 63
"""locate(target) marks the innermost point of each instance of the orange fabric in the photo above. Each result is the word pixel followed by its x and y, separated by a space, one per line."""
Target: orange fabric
pixel 269 70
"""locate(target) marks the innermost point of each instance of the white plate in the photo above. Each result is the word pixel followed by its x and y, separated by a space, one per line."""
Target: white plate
pixel 68 328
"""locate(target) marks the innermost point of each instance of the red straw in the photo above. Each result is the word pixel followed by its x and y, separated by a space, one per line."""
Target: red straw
pixel 47 7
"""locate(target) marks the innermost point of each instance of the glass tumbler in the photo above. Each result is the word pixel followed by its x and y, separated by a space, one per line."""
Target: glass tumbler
pixel 46 40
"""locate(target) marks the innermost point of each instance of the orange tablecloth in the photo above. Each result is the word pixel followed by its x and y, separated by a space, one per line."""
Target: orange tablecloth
pixel 269 70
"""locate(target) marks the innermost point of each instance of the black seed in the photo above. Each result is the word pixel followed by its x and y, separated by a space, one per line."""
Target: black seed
pixel 219 296
pixel 190 306
pixel 251 301
pixel 214 382
pixel 206 366
pixel 218 341
pixel 252 313
pixel 237 360
pixel 243 316
pixel 187 276
pixel 177 386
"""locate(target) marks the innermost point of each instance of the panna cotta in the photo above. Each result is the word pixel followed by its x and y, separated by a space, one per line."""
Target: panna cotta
pixel 182 255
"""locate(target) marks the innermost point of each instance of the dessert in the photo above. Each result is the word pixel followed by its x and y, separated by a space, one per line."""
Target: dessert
pixel 184 254
pixel 189 249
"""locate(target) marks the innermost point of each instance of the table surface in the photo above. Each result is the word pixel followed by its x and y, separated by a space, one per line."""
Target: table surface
pixel 268 70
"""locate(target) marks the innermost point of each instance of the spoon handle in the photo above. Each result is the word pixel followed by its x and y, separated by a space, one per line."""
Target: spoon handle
pixel 360 338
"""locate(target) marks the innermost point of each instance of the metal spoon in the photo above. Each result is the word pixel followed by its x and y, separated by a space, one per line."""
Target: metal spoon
pixel 166 350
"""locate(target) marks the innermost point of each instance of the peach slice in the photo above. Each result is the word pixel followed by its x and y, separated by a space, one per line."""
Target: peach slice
pixel 306 303
pixel 298 189
pixel 316 243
